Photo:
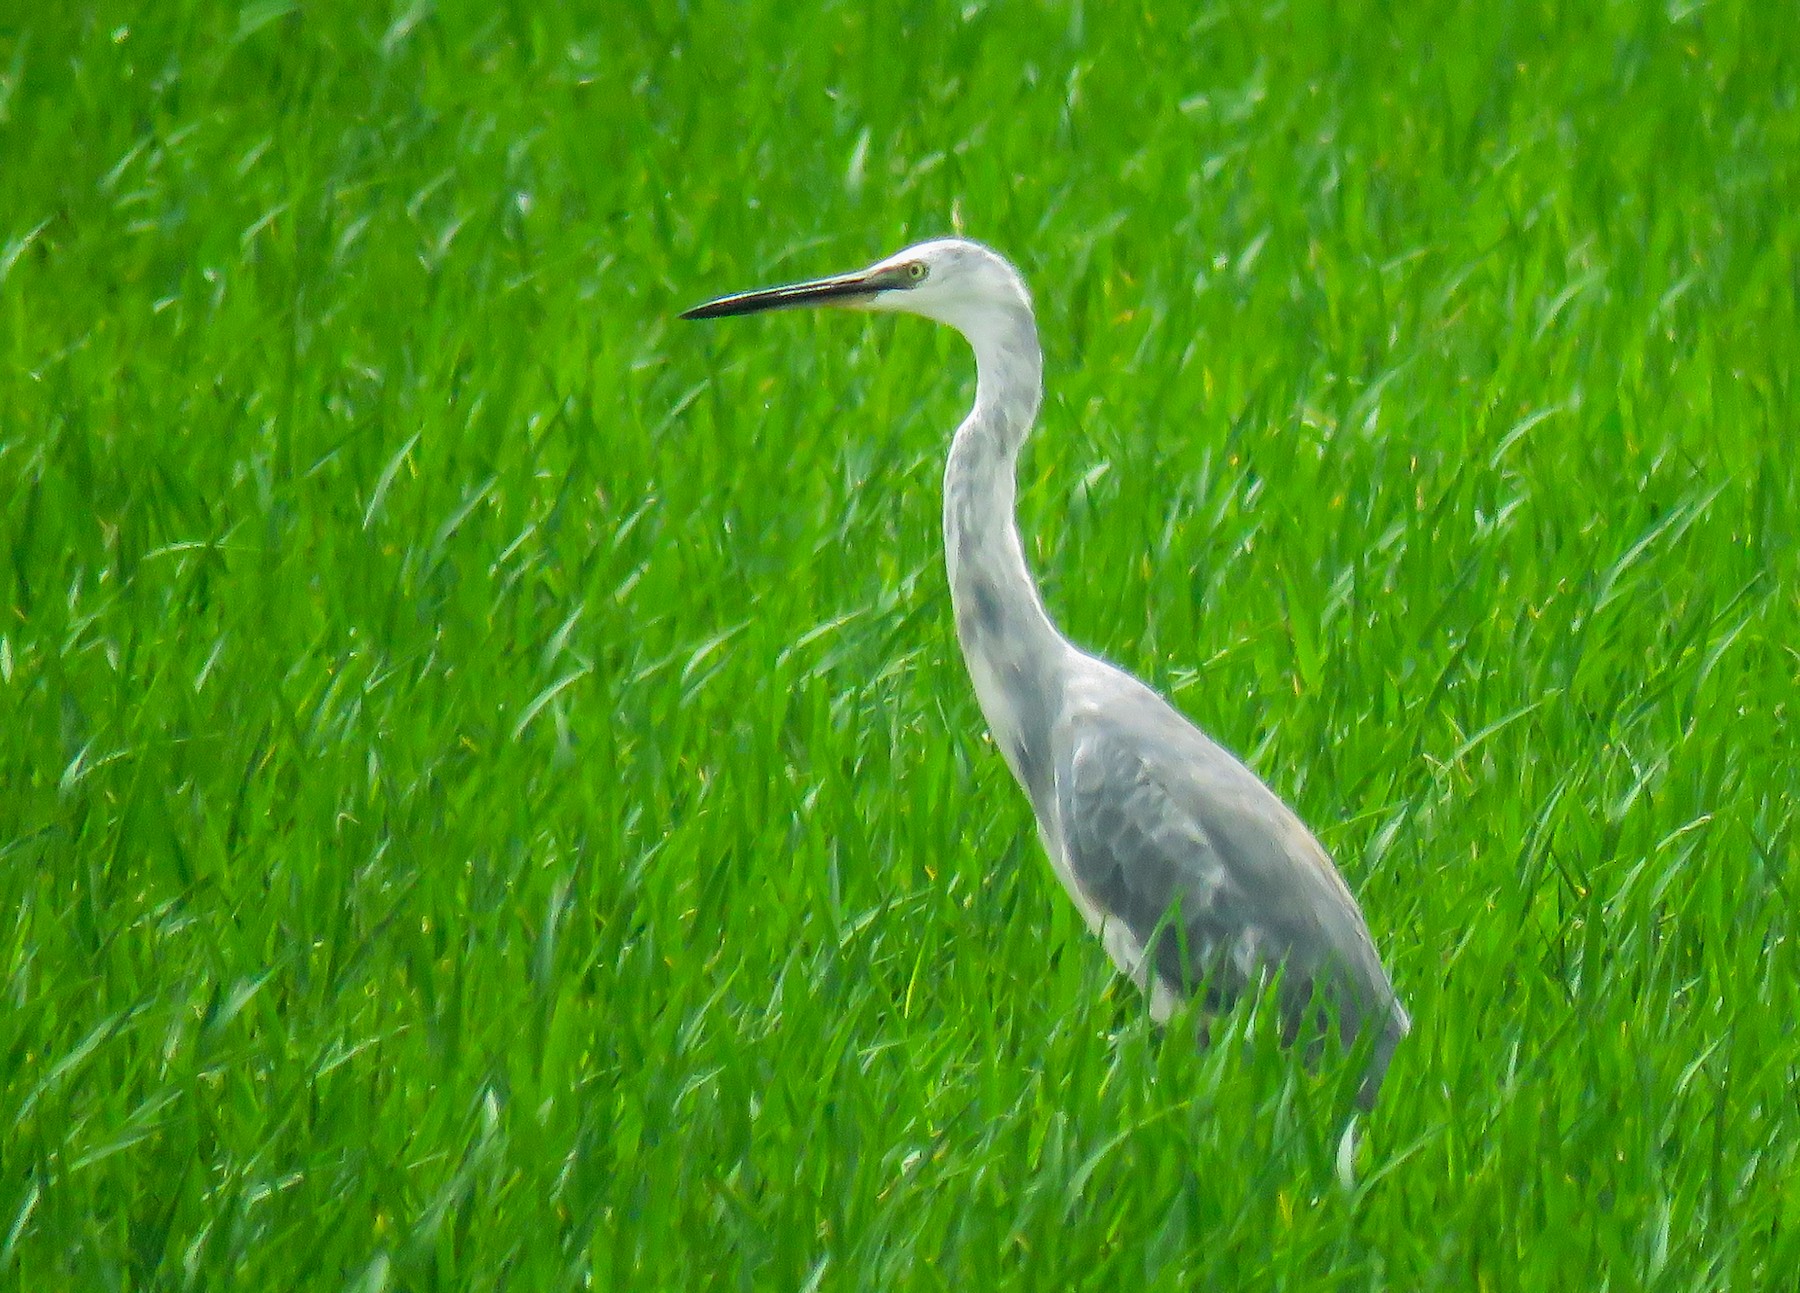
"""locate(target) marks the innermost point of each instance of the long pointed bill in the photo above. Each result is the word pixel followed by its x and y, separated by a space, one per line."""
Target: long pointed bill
pixel 843 289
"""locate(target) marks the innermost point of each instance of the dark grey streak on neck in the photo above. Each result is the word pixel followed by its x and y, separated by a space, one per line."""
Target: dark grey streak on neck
pixel 1011 646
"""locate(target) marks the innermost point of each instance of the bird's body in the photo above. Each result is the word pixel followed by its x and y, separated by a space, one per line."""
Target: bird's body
pixel 1194 875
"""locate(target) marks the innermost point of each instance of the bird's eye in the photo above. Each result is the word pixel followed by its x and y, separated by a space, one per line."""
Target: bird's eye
pixel 916 271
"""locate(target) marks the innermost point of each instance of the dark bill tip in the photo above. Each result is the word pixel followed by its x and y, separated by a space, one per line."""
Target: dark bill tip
pixel 845 289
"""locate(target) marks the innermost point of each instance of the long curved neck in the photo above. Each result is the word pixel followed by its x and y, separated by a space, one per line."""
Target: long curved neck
pixel 1007 639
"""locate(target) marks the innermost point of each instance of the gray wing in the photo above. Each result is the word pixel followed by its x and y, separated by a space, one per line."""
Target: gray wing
pixel 1216 880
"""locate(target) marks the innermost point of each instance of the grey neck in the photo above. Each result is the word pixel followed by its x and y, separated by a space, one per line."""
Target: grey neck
pixel 1011 647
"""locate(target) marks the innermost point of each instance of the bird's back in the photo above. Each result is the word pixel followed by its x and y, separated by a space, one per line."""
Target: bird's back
pixel 1194 872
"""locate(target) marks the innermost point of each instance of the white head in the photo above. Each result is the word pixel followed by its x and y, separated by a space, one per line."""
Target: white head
pixel 955 282
pixel 952 280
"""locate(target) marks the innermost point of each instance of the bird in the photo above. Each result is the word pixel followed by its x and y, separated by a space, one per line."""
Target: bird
pixel 1196 877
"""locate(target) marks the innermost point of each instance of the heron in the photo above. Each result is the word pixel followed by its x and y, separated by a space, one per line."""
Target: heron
pixel 1196 877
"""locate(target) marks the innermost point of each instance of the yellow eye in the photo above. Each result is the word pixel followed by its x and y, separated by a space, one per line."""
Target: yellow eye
pixel 916 271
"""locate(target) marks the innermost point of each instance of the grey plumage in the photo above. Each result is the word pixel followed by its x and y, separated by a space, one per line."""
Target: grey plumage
pixel 1195 876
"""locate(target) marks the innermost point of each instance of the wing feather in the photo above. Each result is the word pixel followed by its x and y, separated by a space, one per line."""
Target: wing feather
pixel 1215 880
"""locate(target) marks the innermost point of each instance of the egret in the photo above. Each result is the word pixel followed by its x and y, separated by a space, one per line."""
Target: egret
pixel 1195 876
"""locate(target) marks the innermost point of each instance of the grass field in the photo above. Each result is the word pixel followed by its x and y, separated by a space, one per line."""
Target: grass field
pixel 489 796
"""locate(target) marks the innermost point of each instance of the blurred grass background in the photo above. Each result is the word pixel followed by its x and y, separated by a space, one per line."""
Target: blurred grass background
pixel 488 793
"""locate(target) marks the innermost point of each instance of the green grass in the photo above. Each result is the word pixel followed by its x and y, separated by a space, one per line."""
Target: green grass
pixel 488 792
